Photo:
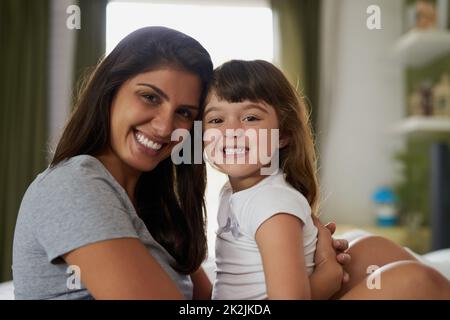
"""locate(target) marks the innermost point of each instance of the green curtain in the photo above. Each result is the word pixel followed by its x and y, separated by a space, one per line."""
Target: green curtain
pixel 91 38
pixel 23 110
pixel 24 37
pixel 297 24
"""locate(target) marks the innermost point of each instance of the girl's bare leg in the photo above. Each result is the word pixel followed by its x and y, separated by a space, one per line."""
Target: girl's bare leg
pixel 372 252
pixel 400 281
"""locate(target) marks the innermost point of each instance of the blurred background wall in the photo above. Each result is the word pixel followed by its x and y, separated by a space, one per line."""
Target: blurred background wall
pixel 362 96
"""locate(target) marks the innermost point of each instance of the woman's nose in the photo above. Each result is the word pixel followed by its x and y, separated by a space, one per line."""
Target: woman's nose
pixel 163 123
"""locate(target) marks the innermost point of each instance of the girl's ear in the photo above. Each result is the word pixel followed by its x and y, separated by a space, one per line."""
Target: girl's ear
pixel 284 140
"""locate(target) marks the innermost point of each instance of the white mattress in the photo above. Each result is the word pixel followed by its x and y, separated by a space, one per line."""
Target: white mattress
pixel 439 260
pixel 6 291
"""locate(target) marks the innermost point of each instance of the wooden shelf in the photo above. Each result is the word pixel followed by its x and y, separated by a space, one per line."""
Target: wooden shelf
pixel 422 125
pixel 416 48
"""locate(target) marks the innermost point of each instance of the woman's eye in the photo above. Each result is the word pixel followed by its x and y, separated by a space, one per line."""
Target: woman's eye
pixel 251 118
pixel 185 113
pixel 215 121
pixel 152 98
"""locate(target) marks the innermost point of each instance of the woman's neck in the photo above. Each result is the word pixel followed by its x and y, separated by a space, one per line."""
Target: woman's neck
pixel 126 176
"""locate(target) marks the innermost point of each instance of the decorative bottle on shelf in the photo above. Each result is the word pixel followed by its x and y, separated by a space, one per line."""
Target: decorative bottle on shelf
pixel 385 207
pixel 426 93
pixel 425 14
pixel 441 97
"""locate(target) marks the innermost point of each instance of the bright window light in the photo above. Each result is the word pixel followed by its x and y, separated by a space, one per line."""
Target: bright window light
pixel 227 33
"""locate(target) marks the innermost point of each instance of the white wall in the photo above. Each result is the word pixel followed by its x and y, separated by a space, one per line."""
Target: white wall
pixel 215 182
pixel 362 95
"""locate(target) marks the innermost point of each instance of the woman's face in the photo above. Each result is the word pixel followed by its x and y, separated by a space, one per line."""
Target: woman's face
pixel 145 112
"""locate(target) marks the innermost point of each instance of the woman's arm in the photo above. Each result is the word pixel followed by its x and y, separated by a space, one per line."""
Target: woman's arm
pixel 122 269
pixel 202 285
pixel 280 241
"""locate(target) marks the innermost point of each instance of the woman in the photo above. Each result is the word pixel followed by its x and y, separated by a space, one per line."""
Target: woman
pixel 112 209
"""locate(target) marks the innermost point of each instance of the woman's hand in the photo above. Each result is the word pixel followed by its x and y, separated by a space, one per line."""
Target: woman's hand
pixel 340 247
pixel 330 259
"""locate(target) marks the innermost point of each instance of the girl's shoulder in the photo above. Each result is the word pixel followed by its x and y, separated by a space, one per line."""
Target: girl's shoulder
pixel 278 189
pixel 273 194
pixel 272 197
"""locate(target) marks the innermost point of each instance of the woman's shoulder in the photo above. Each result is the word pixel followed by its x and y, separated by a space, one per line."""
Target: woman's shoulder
pixel 81 167
pixel 79 177
pixel 77 189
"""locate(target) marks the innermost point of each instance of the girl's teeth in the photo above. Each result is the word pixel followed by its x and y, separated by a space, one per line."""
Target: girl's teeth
pixel 147 143
pixel 230 151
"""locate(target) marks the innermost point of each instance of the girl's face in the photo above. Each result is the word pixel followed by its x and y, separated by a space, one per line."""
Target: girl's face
pixel 238 136
pixel 145 111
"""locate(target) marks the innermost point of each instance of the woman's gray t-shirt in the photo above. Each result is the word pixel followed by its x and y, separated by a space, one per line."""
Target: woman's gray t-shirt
pixel 76 203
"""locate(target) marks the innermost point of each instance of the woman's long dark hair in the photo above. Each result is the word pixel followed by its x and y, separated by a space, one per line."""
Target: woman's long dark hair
pixel 170 199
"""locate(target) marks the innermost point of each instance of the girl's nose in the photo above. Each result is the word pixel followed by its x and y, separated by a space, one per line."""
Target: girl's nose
pixel 234 129
pixel 234 133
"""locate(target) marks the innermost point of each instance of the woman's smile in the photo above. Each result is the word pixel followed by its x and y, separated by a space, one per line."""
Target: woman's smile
pixel 146 144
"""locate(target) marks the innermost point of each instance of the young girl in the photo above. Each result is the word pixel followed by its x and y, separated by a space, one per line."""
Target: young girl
pixel 266 238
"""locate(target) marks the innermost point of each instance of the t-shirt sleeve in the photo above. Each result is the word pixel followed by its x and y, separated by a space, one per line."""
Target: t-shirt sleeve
pixel 272 200
pixel 77 211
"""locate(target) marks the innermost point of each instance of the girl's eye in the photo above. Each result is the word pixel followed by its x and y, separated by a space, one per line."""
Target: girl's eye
pixel 151 98
pixel 250 118
pixel 215 121
pixel 185 113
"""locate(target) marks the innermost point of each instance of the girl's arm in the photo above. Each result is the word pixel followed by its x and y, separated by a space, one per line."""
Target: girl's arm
pixel 122 269
pixel 202 285
pixel 280 241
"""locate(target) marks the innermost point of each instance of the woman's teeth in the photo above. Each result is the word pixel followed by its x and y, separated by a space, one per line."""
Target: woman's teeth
pixel 143 140
pixel 233 151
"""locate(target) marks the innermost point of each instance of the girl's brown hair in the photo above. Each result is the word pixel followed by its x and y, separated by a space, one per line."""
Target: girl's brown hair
pixel 170 199
pixel 260 81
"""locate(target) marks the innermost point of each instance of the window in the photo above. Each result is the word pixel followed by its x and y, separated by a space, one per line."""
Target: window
pixel 229 31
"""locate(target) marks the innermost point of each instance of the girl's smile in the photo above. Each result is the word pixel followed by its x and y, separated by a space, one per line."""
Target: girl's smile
pixel 241 140
pixel 235 152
